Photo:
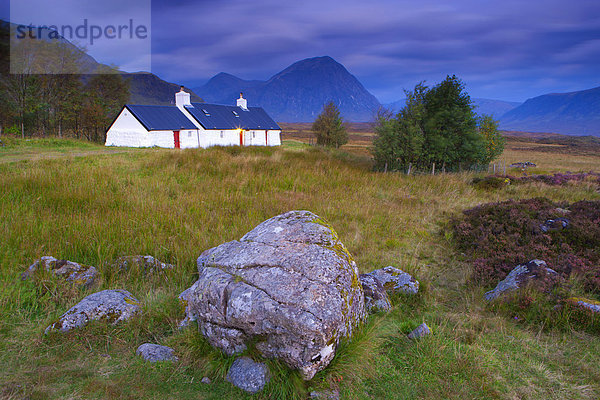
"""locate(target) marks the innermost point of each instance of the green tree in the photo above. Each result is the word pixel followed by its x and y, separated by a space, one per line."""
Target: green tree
pixel 399 141
pixel 329 127
pixel 436 125
pixel 494 141
pixel 105 94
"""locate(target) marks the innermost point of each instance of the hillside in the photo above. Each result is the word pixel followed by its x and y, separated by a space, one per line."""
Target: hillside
pixel 574 113
pixel 298 93
pixel 144 87
pixel 147 88
pixel 495 108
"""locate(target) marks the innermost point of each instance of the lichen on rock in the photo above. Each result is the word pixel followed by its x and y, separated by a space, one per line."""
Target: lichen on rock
pixel 113 306
pixel 290 281
pixel 78 274
pixel 395 280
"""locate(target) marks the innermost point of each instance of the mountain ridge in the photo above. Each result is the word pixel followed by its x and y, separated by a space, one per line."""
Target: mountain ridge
pixel 571 113
pixel 299 91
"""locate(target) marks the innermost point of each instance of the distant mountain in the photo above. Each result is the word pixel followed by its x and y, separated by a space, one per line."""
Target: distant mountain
pixel 298 93
pixel 575 113
pixel 225 88
pixel 495 108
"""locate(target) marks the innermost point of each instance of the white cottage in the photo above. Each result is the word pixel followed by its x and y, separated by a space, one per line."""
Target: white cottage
pixel 187 124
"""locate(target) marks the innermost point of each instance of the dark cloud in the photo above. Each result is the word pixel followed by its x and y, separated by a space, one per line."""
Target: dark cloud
pixel 510 50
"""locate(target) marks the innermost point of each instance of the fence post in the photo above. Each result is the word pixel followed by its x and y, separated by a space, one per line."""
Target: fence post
pixel 433 169
pixel 385 168
pixel 409 167
pixel 494 168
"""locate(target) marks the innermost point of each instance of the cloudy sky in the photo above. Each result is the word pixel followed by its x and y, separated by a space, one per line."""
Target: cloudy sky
pixel 509 49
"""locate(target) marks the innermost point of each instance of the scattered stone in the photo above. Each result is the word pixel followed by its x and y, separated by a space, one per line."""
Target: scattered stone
pixel 113 306
pixel 332 394
pixel 534 270
pixel 154 352
pixel 591 305
pixel 183 300
pixel 78 274
pixel 146 264
pixel 248 375
pixel 523 165
pixel 554 225
pixel 376 298
pixel 289 283
pixel 206 380
pixel 395 280
pixel 562 211
pixel 419 332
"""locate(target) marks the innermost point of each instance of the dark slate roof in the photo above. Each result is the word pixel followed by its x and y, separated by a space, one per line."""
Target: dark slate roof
pixel 217 116
pixel 161 118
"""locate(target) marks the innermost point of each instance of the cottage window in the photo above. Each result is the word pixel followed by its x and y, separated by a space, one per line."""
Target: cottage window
pixel 221 134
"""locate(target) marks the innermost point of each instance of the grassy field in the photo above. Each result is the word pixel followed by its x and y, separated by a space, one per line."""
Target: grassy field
pixel 175 204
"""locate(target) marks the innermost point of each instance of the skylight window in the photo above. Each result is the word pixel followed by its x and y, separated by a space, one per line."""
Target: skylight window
pixel 206 112
pixel 235 113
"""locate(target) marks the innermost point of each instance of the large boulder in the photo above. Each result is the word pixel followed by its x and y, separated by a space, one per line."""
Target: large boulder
pixel 78 274
pixel 112 306
pixel 534 272
pixel 289 285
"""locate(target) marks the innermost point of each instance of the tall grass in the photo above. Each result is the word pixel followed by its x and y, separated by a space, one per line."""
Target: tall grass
pixel 175 204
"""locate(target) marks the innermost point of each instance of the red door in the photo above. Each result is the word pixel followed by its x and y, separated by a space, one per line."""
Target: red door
pixel 176 139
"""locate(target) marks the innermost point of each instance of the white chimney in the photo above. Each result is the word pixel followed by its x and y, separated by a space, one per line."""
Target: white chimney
pixel 242 102
pixel 182 98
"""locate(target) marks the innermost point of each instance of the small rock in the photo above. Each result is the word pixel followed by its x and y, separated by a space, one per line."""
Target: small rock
pixel 562 211
pixel 524 164
pixel 419 332
pixel 591 305
pixel 184 301
pixel 248 375
pixel 520 276
pixel 154 352
pixel 206 380
pixel 146 264
pixel 111 305
pixel 78 274
pixel 554 225
pixel 376 298
pixel 333 394
pixel 395 280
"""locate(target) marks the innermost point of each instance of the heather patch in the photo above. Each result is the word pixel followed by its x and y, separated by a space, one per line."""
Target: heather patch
pixel 496 237
pixel 492 182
